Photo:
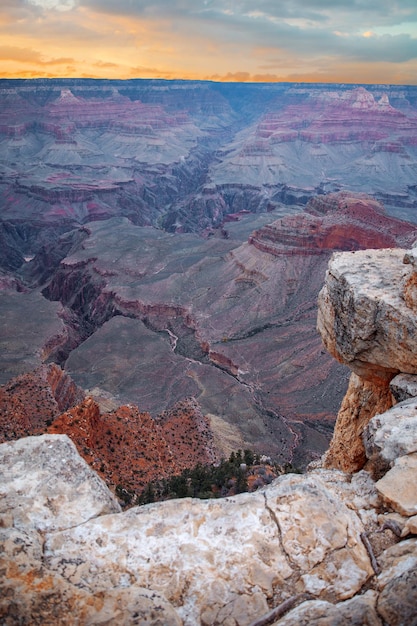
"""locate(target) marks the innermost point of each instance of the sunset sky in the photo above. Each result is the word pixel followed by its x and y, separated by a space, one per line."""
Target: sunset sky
pixel 361 41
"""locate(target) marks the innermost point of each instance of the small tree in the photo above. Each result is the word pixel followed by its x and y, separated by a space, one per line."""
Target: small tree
pixel 148 495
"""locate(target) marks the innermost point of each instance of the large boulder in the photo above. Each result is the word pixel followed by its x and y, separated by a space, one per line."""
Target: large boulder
pixel 367 317
pixel 68 548
pixel 367 320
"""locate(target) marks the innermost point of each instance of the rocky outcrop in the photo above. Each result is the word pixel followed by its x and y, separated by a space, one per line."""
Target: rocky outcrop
pixel 367 319
pixel 339 221
pixel 30 402
pixel 129 448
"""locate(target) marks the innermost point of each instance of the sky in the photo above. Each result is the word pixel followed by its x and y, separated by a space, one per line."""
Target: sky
pixel 344 41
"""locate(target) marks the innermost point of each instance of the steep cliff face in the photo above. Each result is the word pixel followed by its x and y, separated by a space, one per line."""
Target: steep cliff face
pixel 367 319
pixel 337 221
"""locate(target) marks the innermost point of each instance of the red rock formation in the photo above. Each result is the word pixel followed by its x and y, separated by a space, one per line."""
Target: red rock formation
pixel 340 221
pixel 28 403
pixel 128 447
pixel 188 434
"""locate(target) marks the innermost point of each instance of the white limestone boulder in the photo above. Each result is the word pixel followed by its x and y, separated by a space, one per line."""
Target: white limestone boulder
pixel 46 485
pixel 237 552
pixel 398 487
pixel 365 317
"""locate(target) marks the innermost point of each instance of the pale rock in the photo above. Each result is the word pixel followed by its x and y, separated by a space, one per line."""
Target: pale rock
pixel 201 555
pixel 411 526
pixel 363 317
pixel 367 320
pixel 398 487
pixel 403 387
pixel 31 594
pixel 396 560
pixel 47 486
pixel 391 434
pixel 357 491
pixel 42 502
pixel 359 611
pixel 329 554
pixel 240 611
pixel 205 556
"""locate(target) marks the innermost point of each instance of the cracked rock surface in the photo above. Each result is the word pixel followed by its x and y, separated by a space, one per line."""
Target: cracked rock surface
pixel 229 561
pixel 205 561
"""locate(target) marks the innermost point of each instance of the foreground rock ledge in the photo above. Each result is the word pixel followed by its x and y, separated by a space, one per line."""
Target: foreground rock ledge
pixel 228 561
pixel 367 319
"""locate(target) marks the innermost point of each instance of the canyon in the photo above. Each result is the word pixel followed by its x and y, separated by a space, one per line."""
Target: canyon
pixel 163 244
pixel 152 319
pixel 325 547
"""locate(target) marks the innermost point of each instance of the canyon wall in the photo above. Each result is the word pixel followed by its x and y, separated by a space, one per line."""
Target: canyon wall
pixel 321 548
pixel 184 155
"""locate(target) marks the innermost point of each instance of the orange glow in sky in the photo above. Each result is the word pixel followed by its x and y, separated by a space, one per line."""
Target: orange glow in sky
pixel 209 39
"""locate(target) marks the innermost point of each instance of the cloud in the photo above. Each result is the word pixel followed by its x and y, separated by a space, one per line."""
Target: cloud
pixel 309 27
pixel 238 39
pixel 25 55
pixel 58 5
pixel 105 64
pixel 320 11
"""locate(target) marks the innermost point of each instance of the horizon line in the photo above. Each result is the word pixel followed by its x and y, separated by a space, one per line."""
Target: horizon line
pixel 203 80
